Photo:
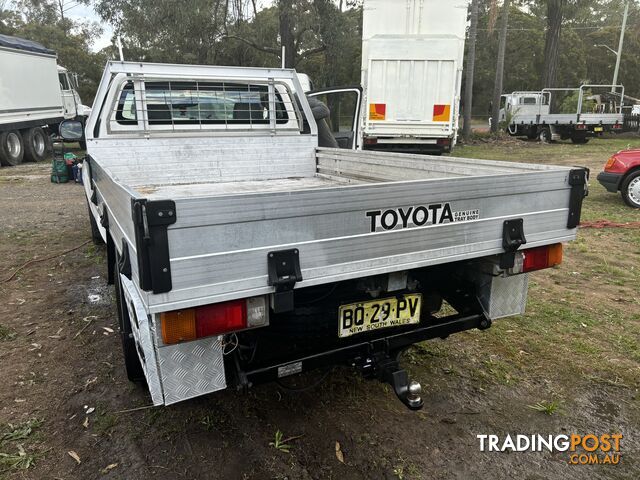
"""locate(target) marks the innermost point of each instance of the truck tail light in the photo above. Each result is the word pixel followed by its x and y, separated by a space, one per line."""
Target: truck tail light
pixel 443 142
pixel 221 318
pixel 542 257
pixel 581 126
pixel 215 319
pixel 617 126
pixel 370 141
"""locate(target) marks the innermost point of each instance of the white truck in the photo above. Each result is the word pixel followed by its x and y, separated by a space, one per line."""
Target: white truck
pixel 564 113
pixel 35 96
pixel 243 253
pixel 412 58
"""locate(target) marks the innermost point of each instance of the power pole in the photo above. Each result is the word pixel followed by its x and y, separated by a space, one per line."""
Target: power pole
pixel 619 53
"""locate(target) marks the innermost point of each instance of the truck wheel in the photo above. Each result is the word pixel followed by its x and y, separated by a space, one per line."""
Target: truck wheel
pixel 545 135
pixel 11 148
pixel 36 144
pixel 132 364
pixel 631 189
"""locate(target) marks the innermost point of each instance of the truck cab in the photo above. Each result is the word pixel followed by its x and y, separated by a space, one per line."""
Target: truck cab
pixel 523 103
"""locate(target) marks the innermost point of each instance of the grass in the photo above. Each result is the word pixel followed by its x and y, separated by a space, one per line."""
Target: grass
pixel 12 440
pixel 279 443
pixel 548 408
pixel 6 333
pixel 21 431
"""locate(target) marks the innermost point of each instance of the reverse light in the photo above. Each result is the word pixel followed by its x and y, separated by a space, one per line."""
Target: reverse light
pixel 542 257
pixel 215 319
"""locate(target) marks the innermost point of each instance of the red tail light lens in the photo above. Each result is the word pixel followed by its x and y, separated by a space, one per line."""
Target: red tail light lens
pixel 617 126
pixel 370 141
pixel 443 142
pixel 581 126
pixel 220 318
pixel 542 257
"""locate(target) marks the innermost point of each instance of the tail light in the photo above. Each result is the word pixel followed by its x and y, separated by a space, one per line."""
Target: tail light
pixel 443 142
pixel 370 141
pixel 581 126
pixel 215 319
pixel 617 126
pixel 542 257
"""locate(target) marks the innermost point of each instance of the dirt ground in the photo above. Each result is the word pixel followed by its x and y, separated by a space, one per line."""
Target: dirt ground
pixel 571 364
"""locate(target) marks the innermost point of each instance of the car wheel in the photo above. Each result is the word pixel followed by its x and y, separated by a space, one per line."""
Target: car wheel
pixel 36 144
pixel 545 135
pixel 11 148
pixel 132 364
pixel 631 189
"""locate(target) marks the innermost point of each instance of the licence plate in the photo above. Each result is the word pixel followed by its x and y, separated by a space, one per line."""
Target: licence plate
pixel 362 317
pixel 597 129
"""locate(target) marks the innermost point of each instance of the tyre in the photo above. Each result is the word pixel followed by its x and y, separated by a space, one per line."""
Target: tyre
pixel 132 364
pixel 545 135
pixel 11 148
pixel 579 140
pixel 36 144
pixel 630 189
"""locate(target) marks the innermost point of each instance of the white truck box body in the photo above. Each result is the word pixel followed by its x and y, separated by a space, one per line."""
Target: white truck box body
pixel 29 87
pixel 412 54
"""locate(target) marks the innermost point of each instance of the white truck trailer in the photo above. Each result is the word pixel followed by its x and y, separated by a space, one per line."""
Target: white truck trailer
pixel 564 113
pixel 412 58
pixel 35 96
pixel 242 253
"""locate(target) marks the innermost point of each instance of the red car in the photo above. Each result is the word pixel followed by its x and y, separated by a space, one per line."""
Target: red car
pixel 622 174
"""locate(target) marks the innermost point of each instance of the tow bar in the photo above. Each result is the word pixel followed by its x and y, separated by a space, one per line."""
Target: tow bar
pixel 387 370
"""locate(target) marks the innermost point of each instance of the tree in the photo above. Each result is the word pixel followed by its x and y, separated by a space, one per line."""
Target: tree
pixel 470 69
pixel 552 42
pixel 497 86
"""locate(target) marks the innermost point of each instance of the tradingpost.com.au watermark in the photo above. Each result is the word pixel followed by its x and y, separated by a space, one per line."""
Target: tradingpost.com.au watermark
pixel 587 449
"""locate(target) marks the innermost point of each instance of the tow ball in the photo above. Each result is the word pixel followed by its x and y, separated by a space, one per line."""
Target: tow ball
pixel 387 370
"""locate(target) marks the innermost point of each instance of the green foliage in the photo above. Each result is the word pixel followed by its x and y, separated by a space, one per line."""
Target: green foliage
pixel 280 444
pixel 548 408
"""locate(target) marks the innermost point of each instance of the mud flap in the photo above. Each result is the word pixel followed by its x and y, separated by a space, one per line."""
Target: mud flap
pixel 142 330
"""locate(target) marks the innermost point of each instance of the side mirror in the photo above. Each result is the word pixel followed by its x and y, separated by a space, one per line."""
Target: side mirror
pixel 71 130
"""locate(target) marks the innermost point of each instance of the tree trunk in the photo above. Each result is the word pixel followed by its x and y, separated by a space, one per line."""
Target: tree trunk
pixel 287 37
pixel 552 42
pixel 470 67
pixel 502 45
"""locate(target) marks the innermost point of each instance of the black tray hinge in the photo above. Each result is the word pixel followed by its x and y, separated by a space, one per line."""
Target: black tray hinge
pixel 124 262
pixel 151 219
pixel 578 181
pixel 284 272
pixel 512 239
